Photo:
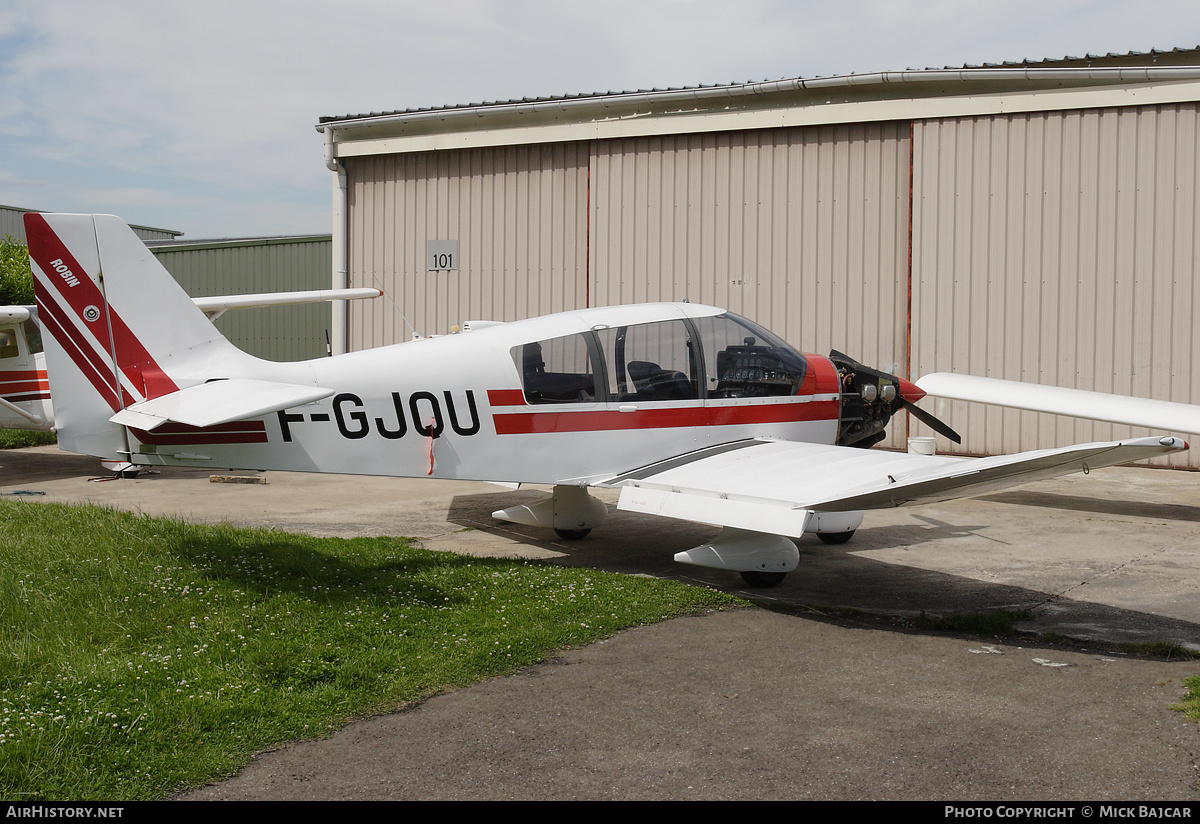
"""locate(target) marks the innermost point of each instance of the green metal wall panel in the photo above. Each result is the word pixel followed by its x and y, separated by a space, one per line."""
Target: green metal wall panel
pixel 285 333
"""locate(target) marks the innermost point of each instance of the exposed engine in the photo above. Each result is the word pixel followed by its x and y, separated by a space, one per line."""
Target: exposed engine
pixel 869 400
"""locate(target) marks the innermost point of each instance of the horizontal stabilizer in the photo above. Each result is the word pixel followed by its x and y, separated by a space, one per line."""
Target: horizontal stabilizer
pixel 218 402
pixel 774 486
pixel 1077 403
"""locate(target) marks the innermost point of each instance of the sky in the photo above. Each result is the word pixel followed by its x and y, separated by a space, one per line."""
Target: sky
pixel 200 116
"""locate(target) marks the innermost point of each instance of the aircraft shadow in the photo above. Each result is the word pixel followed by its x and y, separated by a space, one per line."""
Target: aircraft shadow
pixel 48 463
pixel 835 578
pixel 275 565
pixel 1078 503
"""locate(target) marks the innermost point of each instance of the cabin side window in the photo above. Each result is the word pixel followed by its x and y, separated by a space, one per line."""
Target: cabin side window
pixel 557 370
pixel 650 362
pixel 33 336
pixel 8 342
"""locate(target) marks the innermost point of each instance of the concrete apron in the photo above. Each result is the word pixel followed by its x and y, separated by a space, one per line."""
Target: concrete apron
pixel 1113 556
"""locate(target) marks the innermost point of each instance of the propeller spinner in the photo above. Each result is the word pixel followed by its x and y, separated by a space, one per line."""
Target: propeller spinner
pixel 869 400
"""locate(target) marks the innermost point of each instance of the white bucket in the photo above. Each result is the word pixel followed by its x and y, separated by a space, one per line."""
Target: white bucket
pixel 922 446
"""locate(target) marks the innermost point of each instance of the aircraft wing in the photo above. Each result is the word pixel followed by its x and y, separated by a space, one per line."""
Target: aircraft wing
pixel 218 402
pixel 774 486
pixel 216 305
pixel 15 313
pixel 1078 403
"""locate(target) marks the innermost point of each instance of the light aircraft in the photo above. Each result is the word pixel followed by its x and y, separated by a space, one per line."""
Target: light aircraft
pixel 693 412
pixel 25 401
pixel 24 389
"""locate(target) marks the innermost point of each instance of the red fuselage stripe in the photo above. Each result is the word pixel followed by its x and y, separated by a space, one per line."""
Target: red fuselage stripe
pixel 506 397
pixel 25 381
pixel 173 428
pixel 170 434
pixel 526 423
pixel 199 438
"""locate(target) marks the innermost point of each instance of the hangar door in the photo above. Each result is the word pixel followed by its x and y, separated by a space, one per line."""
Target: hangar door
pixel 1058 248
pixel 804 230
pixel 518 215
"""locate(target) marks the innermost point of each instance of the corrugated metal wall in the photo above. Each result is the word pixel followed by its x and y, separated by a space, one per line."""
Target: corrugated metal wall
pixel 272 265
pixel 1058 248
pixel 519 215
pixel 12 223
pixel 804 230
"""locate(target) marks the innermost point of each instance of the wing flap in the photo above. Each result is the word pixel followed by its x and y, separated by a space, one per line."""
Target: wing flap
pixel 702 506
pixel 218 402
pixel 773 486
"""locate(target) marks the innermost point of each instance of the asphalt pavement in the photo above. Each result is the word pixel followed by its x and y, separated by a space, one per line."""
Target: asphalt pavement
pixel 839 697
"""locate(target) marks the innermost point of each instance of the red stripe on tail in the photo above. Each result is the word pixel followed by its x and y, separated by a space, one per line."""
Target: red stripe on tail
pixel 87 303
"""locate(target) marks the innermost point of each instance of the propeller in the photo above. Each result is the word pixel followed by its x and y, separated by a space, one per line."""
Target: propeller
pixel 869 400
pixel 929 420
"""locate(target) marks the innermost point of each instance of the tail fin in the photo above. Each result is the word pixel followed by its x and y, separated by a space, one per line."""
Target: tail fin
pixel 120 329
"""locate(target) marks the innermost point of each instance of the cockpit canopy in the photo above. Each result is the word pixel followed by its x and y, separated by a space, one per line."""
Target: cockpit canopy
pixel 721 356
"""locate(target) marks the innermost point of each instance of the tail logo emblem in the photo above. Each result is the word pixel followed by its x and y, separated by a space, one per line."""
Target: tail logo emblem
pixel 64 272
pixel 91 314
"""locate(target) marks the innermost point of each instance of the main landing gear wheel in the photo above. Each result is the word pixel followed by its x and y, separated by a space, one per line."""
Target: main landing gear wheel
pixel 763 580
pixel 835 537
pixel 572 534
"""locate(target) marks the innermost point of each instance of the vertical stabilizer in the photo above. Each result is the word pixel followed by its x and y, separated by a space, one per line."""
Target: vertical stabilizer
pixel 119 329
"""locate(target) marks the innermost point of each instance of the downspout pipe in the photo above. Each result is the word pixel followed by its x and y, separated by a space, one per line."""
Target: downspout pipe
pixel 340 325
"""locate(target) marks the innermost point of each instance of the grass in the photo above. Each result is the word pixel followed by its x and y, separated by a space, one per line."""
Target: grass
pixel 1190 705
pixel 140 656
pixel 20 438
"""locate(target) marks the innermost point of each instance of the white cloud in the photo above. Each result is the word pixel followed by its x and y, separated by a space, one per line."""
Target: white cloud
pixel 200 115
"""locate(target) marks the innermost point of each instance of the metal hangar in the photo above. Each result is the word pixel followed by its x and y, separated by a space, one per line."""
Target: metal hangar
pixel 1032 221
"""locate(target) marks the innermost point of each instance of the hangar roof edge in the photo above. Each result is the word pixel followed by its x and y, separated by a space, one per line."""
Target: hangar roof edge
pixel 1182 57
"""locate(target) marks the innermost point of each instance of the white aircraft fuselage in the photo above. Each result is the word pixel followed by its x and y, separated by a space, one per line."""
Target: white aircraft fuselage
pixel 462 397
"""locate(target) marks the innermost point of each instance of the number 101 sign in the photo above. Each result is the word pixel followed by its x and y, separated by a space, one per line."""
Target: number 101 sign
pixel 442 255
